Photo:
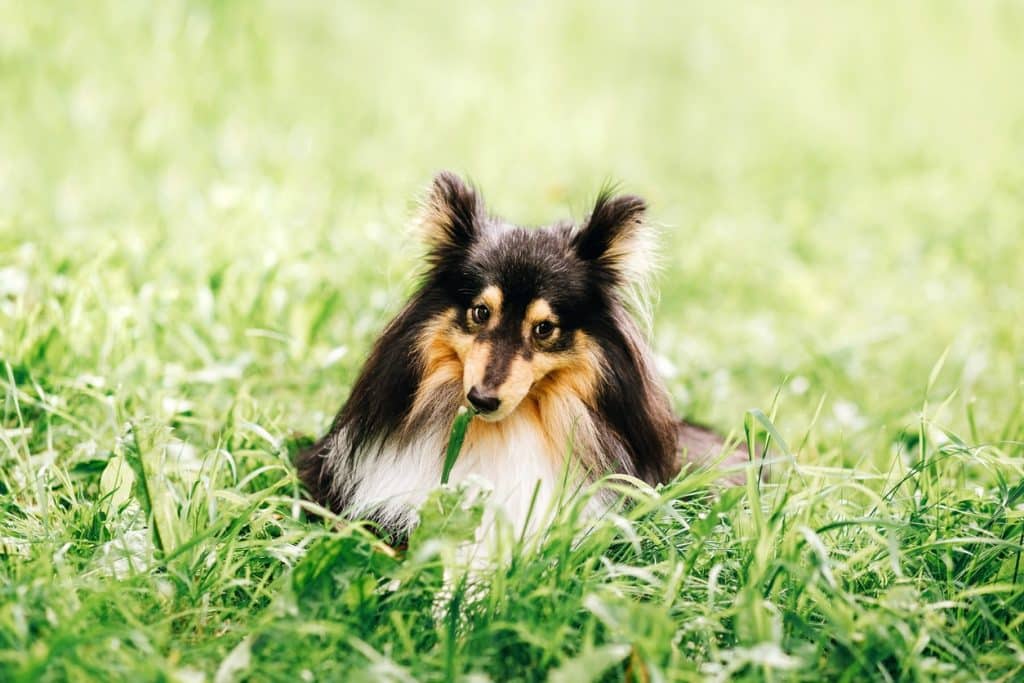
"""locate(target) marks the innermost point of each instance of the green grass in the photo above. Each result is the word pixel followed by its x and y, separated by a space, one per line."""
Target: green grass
pixel 202 210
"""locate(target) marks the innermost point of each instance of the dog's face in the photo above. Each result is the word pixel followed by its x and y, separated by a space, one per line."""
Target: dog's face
pixel 524 308
pixel 519 319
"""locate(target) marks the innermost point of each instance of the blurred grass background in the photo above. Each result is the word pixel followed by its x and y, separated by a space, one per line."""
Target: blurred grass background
pixel 839 184
pixel 203 205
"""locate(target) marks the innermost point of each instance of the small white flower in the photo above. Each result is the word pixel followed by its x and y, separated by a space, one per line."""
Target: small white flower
pixel 848 415
pixel 13 282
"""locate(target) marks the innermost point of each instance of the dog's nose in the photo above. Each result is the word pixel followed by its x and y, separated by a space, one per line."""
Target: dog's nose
pixel 482 402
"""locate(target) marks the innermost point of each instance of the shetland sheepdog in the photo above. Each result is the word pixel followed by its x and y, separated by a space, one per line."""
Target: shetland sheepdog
pixel 536 331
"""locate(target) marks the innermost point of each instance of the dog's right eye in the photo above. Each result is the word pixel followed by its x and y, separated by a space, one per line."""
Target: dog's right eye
pixel 480 314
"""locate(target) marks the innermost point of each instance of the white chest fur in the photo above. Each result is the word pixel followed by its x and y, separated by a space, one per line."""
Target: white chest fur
pixel 524 469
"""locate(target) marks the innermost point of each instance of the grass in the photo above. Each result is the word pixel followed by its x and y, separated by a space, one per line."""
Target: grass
pixel 201 231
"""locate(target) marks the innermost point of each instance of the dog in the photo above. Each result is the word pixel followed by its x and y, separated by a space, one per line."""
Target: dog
pixel 537 331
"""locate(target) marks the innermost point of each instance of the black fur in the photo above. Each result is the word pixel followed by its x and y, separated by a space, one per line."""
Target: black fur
pixel 380 399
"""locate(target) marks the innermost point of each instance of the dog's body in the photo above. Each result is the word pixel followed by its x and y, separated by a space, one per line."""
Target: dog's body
pixel 533 330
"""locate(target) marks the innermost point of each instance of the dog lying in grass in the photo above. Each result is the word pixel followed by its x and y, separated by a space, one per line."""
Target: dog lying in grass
pixel 535 330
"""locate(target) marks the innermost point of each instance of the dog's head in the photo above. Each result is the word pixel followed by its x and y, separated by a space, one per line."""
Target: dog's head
pixel 525 310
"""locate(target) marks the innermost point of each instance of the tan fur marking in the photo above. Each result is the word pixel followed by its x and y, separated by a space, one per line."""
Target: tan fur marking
pixel 493 298
pixel 565 394
pixel 443 348
pixel 431 224
pixel 476 365
pixel 572 372
pixel 518 381
pixel 538 311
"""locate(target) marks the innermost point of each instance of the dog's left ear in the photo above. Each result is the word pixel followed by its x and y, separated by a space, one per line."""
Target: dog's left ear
pixel 449 220
pixel 616 239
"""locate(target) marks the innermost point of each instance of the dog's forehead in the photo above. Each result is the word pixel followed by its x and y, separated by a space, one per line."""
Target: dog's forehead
pixel 528 264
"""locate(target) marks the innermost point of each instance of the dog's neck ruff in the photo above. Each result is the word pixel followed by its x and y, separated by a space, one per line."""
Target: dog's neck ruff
pixel 518 459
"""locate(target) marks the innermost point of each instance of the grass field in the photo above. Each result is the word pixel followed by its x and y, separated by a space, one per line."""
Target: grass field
pixel 202 228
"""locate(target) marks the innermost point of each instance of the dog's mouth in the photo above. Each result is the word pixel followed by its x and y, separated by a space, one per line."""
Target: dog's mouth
pixel 496 415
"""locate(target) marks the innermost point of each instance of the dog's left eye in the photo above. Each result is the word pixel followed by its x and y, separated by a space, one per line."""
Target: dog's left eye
pixel 480 314
pixel 543 329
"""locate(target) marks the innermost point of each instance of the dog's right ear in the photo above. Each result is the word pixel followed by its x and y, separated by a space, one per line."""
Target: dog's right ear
pixel 450 216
